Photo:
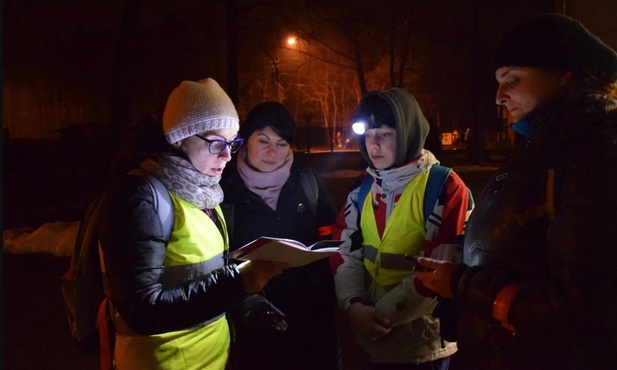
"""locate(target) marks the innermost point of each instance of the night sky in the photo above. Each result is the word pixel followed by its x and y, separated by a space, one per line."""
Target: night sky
pixel 59 56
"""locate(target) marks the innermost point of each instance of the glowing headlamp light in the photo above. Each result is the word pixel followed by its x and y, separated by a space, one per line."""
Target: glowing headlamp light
pixel 361 124
pixel 359 127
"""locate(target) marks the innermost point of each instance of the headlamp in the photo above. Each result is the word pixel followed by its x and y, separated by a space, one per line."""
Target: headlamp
pixel 359 127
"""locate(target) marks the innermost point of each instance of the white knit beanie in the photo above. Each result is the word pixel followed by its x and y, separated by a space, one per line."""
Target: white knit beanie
pixel 195 107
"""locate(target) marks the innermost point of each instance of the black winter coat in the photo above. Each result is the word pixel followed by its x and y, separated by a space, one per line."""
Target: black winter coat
pixel 132 240
pixel 561 249
pixel 305 294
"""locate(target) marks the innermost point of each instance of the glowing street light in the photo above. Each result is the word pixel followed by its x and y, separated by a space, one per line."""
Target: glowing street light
pixel 291 40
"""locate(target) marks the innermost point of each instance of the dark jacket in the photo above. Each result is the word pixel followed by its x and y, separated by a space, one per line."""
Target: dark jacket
pixel 305 294
pixel 561 249
pixel 131 235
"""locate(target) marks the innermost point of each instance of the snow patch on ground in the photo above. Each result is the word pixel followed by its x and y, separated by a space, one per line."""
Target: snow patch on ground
pixel 57 238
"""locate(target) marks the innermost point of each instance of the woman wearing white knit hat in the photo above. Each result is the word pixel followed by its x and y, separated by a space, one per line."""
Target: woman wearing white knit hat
pixel 171 295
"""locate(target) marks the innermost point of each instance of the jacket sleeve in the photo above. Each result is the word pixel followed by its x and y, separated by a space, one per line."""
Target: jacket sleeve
pixel 452 209
pixel 349 278
pixel 133 246
pixel 575 300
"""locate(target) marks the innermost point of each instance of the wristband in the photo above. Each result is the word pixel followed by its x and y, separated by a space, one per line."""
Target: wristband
pixel 355 300
pixel 502 303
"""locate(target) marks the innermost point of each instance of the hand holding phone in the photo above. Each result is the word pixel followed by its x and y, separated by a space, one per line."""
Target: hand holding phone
pixel 413 262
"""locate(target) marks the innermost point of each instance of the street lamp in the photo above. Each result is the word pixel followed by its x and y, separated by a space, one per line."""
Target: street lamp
pixel 291 41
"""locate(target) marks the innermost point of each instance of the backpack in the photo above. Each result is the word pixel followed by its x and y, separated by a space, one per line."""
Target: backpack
pixel 82 285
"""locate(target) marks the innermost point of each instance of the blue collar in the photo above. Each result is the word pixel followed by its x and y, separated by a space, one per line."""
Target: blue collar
pixel 522 127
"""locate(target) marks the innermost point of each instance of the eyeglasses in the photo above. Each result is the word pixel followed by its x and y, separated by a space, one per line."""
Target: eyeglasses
pixel 219 146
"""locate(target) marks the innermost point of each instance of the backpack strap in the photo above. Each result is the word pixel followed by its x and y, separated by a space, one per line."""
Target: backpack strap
pixel 436 179
pixel 162 201
pixel 309 185
pixel 80 300
pixel 105 323
pixel 365 187
pixel 85 238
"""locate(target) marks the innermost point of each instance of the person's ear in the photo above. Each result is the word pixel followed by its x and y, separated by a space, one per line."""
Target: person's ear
pixel 563 78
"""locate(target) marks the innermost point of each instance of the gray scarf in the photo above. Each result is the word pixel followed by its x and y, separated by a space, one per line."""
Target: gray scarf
pixel 267 185
pixel 184 181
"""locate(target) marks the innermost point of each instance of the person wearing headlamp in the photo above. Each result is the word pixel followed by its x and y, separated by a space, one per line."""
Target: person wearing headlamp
pixel 390 311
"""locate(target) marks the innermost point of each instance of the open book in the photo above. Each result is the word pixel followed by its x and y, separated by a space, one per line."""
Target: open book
pixel 285 250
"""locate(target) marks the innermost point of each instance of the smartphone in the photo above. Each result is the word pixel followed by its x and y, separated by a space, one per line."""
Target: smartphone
pixel 413 262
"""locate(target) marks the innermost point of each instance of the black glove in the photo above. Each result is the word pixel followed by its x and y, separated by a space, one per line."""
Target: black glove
pixel 259 314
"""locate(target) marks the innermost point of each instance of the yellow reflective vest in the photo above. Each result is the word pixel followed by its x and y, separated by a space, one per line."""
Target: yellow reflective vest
pixel 195 247
pixel 404 233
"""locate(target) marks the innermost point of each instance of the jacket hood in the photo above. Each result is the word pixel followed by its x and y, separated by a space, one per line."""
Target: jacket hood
pixel 411 126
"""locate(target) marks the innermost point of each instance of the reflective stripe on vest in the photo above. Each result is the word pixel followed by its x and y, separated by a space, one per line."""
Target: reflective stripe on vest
pixel 404 234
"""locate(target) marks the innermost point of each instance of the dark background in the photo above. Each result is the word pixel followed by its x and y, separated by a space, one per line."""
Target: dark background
pixel 81 71
pixel 77 73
